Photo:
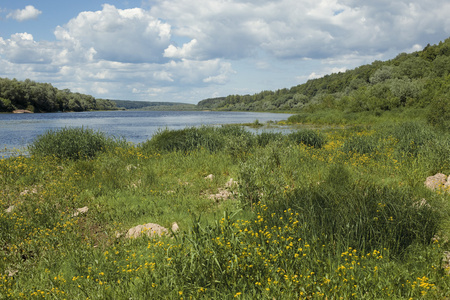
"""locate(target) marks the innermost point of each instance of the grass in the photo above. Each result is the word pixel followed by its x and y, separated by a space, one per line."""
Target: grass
pixel 317 214
pixel 73 143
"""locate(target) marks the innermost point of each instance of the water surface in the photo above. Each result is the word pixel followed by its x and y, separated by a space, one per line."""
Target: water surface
pixel 18 130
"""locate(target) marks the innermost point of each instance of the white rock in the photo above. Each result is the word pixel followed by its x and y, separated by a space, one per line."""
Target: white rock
pixel 435 182
pixel 81 210
pixel 210 177
pixel 150 229
pixel 10 209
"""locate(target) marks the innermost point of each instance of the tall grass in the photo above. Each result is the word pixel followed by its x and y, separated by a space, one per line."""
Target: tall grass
pixel 317 215
pixel 73 143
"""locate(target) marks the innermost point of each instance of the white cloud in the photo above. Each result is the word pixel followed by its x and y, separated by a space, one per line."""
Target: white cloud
pixel 28 13
pixel 21 49
pixel 184 50
pixel 305 28
pixel 130 35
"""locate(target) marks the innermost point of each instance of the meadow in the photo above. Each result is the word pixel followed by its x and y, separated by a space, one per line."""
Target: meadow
pixel 331 213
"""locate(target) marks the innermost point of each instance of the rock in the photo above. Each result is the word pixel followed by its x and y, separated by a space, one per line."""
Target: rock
pixel 221 195
pixel 224 193
pixel 210 177
pixel 130 167
pixel 447 185
pixel 230 183
pixel 175 227
pixel 421 203
pixel 81 210
pixel 150 229
pixel 435 182
pixel 446 261
pixel 26 191
pixel 10 209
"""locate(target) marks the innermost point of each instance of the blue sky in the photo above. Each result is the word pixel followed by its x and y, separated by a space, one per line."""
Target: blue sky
pixel 189 50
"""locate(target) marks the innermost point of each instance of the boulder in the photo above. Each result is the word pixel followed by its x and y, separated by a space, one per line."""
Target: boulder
pixel 436 182
pixel 10 209
pixel 150 229
pixel 230 183
pixel 210 177
pixel 447 185
pixel 81 210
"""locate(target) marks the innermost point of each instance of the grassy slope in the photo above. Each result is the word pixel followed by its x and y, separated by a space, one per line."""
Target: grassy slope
pixel 319 214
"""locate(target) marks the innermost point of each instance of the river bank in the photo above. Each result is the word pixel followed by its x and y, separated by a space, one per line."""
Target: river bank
pixel 322 213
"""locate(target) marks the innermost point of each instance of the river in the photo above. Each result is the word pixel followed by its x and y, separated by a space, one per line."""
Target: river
pixel 18 130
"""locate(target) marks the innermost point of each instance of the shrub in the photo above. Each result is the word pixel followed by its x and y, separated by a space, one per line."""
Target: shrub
pixel 264 138
pixel 371 217
pixel 439 114
pixel 412 137
pixel 233 138
pixel 308 137
pixel 167 140
pixel 73 143
pixel 361 144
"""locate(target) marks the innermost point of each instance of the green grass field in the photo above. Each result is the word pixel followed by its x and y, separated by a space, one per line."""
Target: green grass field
pixel 333 213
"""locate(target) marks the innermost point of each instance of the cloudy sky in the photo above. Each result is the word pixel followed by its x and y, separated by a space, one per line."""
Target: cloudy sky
pixel 189 50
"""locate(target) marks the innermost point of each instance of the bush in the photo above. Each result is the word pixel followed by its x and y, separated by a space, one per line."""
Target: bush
pixel 308 137
pixel 264 138
pixel 371 217
pixel 412 137
pixel 361 144
pixel 234 138
pixel 439 114
pixel 73 143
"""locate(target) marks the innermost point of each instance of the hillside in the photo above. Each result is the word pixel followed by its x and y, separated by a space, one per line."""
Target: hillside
pixel 414 80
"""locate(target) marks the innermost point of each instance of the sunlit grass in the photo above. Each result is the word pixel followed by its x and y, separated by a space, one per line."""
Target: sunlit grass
pixel 343 220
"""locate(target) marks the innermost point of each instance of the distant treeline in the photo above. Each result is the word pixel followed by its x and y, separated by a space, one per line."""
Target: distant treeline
pixel 147 105
pixel 419 80
pixel 43 97
pixel 416 80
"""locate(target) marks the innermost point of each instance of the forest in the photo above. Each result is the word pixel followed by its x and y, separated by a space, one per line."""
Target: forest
pixel 418 80
pixel 43 97
pixel 155 106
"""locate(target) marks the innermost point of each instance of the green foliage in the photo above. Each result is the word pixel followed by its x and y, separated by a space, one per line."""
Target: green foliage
pixel 308 137
pixel 416 80
pixel 234 138
pixel 147 105
pixel 439 113
pixel 347 220
pixel 264 138
pixel 412 137
pixel 73 143
pixel 371 218
pixel 362 144
pixel 43 97
pixel 6 105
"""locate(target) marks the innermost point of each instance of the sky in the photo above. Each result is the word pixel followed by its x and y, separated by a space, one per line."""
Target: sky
pixel 189 50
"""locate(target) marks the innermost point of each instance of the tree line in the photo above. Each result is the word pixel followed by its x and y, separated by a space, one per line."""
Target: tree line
pixel 43 97
pixel 418 80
